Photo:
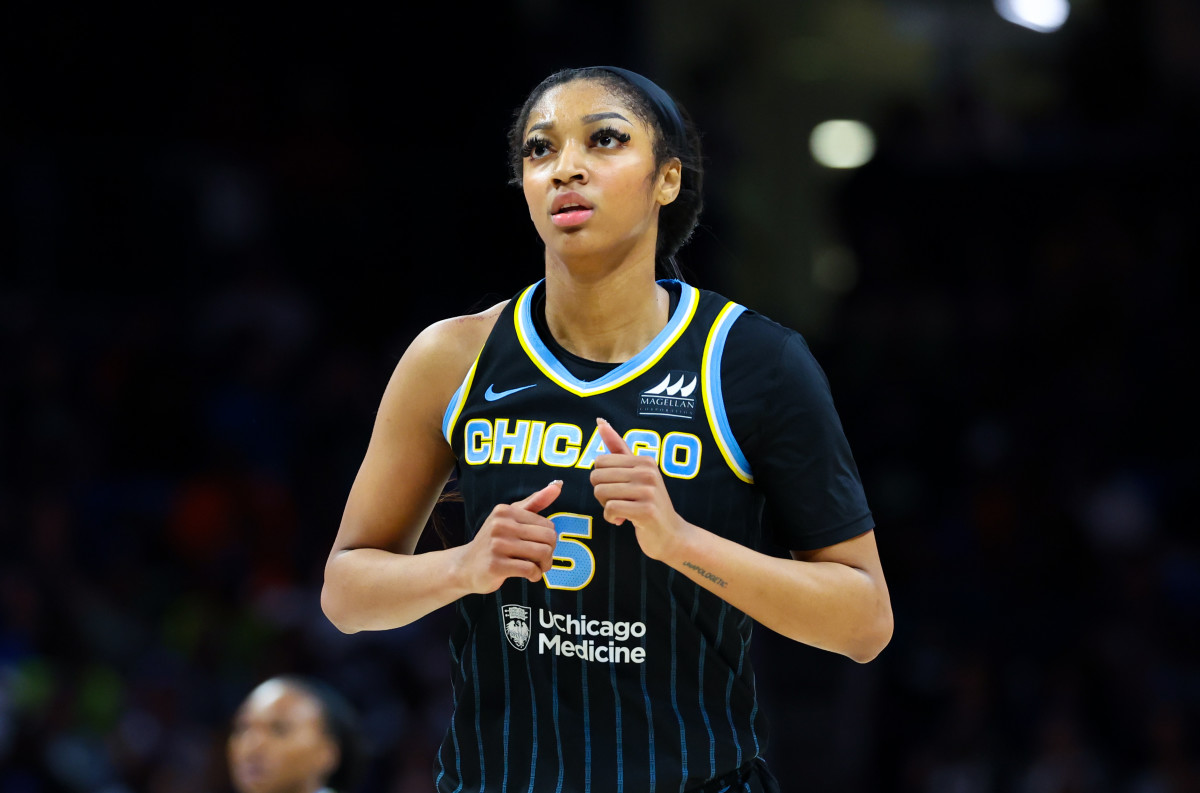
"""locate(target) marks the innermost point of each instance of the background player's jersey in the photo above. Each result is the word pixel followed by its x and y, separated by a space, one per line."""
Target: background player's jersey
pixel 614 672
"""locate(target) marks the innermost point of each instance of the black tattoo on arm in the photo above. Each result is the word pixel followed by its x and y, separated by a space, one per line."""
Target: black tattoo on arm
pixel 716 579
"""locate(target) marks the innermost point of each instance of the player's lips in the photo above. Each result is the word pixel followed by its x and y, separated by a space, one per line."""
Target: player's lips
pixel 570 209
pixel 250 773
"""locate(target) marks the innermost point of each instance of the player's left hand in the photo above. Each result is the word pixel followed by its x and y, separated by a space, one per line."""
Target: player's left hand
pixel 631 488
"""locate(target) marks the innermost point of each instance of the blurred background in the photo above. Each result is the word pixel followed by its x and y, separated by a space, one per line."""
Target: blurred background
pixel 220 227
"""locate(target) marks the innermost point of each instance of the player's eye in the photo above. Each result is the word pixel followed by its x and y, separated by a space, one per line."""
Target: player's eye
pixel 535 148
pixel 609 138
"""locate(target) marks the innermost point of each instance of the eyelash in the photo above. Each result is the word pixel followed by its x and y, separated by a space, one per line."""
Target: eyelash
pixel 609 132
pixel 540 142
pixel 533 143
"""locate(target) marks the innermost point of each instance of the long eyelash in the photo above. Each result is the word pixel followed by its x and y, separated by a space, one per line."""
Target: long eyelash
pixel 532 144
pixel 609 132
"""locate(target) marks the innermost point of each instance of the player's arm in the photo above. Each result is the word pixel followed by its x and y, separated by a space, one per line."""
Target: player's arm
pixel 374 580
pixel 834 598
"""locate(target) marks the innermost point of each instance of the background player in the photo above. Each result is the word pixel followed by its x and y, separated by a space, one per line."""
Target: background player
pixel 294 734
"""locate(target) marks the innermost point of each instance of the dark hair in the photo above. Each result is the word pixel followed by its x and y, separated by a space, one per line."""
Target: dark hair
pixel 341 722
pixel 674 136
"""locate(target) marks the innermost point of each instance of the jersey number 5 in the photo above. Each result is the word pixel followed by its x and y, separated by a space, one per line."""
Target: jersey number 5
pixel 573 565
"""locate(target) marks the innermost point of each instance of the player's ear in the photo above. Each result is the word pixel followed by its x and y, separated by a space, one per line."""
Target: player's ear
pixel 670 179
pixel 329 758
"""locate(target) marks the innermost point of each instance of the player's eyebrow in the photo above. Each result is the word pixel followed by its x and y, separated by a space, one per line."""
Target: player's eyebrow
pixel 594 117
pixel 590 118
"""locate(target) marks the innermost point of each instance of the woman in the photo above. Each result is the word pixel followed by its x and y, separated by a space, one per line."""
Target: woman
pixel 604 618
pixel 294 734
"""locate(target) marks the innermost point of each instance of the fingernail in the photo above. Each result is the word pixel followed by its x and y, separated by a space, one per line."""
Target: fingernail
pixel 601 421
pixel 556 482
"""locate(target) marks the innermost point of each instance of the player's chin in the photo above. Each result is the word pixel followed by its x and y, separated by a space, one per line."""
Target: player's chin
pixel 577 242
pixel 252 779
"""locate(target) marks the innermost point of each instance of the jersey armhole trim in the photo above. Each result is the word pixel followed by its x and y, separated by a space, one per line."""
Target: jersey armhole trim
pixel 714 399
pixel 456 402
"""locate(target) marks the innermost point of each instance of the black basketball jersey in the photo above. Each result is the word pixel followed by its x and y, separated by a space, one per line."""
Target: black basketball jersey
pixel 614 672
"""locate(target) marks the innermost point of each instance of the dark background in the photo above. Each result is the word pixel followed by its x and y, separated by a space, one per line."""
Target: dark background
pixel 220 227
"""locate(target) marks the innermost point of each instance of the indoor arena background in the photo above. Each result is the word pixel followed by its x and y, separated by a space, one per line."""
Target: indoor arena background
pixel 219 229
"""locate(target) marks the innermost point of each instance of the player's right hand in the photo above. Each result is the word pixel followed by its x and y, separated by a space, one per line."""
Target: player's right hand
pixel 514 542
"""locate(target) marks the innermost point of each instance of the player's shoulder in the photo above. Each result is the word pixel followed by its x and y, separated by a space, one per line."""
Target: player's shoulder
pixel 454 340
pixel 763 356
pixel 440 355
pixel 435 363
pixel 755 334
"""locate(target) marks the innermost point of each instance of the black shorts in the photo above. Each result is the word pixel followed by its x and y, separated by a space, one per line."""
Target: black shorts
pixel 751 777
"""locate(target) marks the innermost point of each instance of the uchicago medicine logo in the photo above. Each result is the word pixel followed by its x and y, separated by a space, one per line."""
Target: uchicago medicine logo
pixel 570 636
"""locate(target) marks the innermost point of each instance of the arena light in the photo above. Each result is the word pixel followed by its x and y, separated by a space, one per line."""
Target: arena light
pixel 1044 16
pixel 842 143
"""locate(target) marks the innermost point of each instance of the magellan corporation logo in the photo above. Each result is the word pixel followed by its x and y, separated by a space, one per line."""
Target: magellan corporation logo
pixel 672 397
pixel 569 636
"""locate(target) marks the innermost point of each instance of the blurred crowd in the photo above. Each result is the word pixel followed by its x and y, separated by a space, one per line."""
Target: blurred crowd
pixel 195 332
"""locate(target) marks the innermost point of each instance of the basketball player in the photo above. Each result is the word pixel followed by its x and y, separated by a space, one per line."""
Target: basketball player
pixel 294 735
pixel 616 434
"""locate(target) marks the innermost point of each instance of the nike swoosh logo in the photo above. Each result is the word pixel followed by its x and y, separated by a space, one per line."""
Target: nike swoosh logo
pixel 492 395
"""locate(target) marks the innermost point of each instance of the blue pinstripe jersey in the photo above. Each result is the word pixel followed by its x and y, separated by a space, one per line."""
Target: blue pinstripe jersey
pixel 614 672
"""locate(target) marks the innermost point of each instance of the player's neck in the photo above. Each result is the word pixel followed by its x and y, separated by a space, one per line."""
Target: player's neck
pixel 608 318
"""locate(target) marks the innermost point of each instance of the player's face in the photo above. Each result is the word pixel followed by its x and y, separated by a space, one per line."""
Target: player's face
pixel 278 743
pixel 589 176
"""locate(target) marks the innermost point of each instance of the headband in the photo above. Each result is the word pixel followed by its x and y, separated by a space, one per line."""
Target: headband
pixel 665 109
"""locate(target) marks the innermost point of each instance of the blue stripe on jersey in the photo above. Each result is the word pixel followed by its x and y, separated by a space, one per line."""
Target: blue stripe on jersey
pixel 454 687
pixel 507 711
pixel 674 668
pixel 461 609
pixel 728 690
pixel 753 713
pixel 712 744
pixel 587 722
pixel 535 348
pixel 441 766
pixel 533 709
pixel 714 400
pixel 729 713
pixel 462 614
pixel 457 401
pixel 478 728
pixel 645 693
pixel 457 758
pixel 753 710
pixel 733 675
pixel 554 710
pixel 463 669
pixel 712 747
pixel 612 668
